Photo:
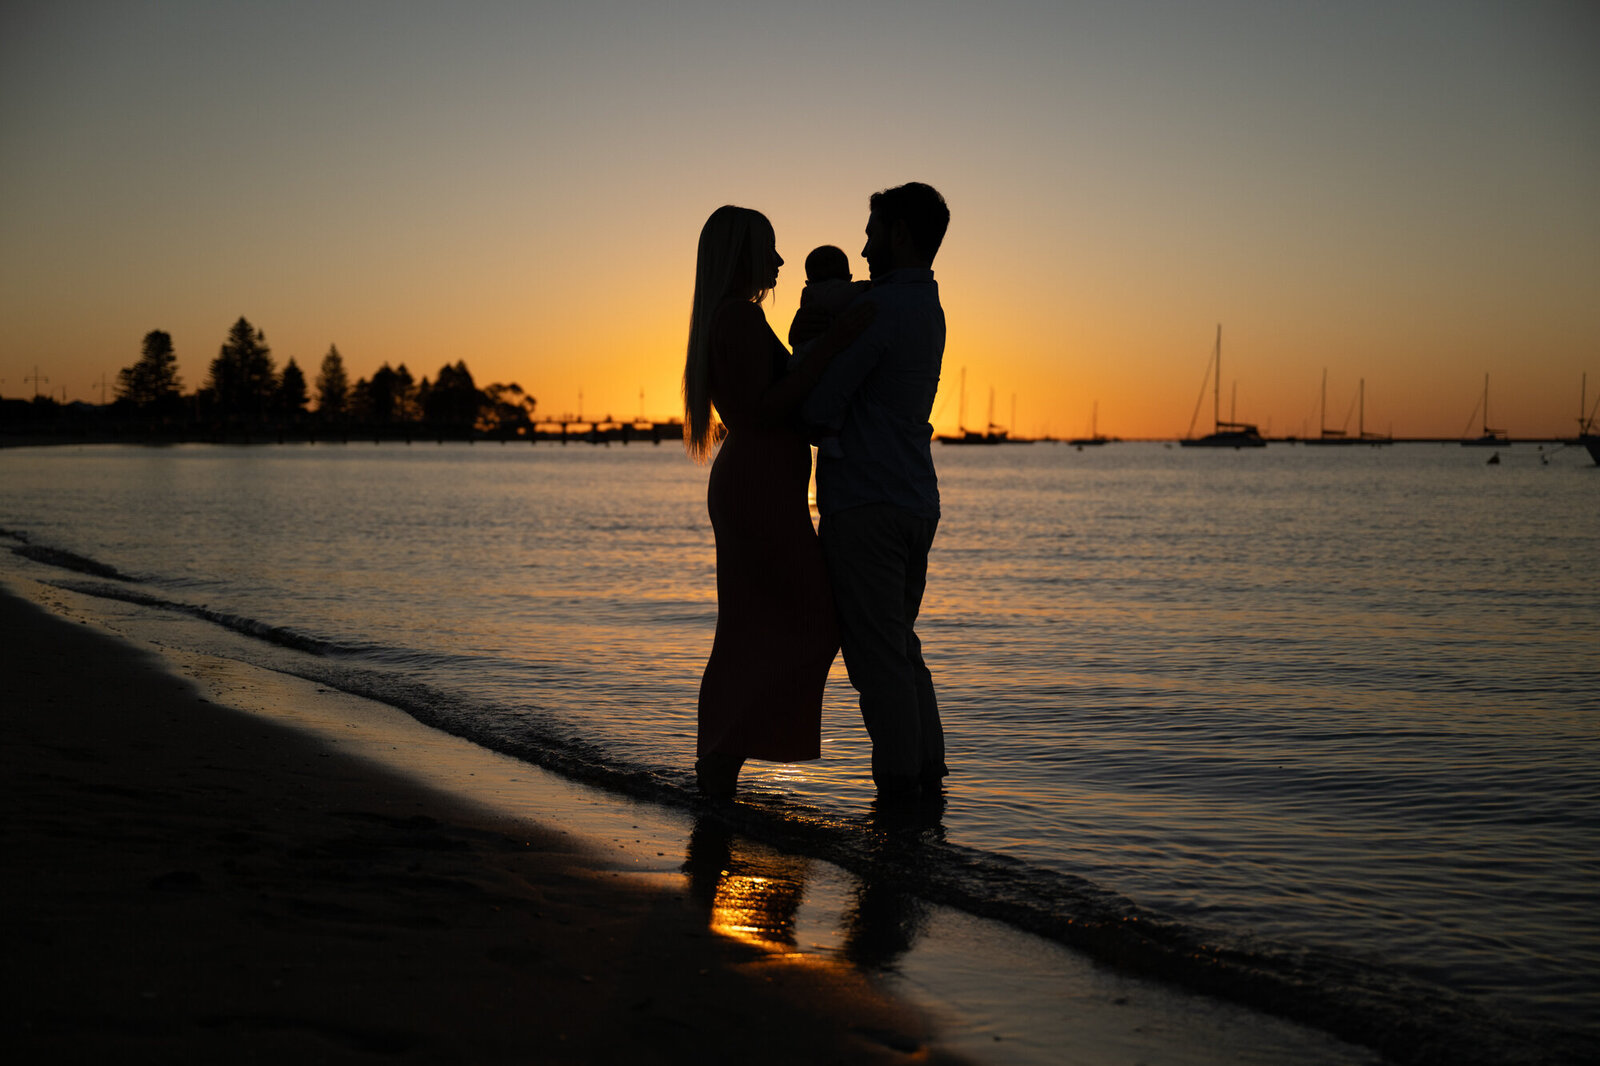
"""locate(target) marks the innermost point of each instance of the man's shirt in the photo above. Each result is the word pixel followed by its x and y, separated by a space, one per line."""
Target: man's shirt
pixel 883 385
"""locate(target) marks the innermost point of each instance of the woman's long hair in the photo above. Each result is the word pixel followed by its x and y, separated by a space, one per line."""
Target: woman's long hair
pixel 732 263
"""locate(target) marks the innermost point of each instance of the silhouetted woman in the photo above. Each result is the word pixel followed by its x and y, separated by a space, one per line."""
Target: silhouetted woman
pixel 761 695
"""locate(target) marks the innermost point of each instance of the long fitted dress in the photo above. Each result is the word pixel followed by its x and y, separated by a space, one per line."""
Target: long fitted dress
pixel 761 695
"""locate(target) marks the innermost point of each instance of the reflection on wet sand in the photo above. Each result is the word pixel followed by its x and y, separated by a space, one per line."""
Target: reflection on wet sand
pixel 884 919
pixel 753 893
pixel 749 892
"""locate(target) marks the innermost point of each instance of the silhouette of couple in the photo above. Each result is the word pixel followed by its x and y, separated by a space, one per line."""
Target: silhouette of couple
pixel 860 382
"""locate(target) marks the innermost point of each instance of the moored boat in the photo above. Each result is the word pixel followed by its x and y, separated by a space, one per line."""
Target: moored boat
pixel 1587 437
pixel 992 434
pixel 1223 434
pixel 1094 438
pixel 1325 435
pixel 1496 438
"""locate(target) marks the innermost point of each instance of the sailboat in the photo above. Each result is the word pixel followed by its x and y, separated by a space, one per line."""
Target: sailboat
pixel 1586 426
pixel 994 435
pixel 1223 434
pixel 1094 437
pixel 1490 437
pixel 1361 422
pixel 1339 436
pixel 1329 436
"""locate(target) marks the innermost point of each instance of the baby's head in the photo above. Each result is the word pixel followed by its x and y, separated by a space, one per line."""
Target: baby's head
pixel 827 264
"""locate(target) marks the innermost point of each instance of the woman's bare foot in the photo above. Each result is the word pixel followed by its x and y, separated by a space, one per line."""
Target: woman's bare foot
pixel 718 774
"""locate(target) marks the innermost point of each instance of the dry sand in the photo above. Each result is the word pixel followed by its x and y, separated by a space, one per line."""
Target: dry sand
pixel 189 883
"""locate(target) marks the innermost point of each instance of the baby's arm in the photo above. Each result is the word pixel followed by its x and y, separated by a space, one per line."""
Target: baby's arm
pixel 810 322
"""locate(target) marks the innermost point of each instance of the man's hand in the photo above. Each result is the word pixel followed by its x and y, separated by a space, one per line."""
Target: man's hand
pixel 847 327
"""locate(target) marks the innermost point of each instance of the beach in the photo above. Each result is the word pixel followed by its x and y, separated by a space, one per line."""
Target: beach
pixel 190 883
pixel 321 878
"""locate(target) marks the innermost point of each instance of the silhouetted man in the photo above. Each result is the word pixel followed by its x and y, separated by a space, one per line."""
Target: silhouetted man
pixel 879 500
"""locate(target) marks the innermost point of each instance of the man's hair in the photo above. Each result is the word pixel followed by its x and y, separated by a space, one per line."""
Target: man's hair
pixel 827 262
pixel 921 208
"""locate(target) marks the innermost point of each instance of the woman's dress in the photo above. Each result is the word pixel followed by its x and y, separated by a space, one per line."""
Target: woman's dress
pixel 761 695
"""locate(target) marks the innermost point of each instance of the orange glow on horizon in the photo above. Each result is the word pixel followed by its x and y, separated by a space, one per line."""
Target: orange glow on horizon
pixel 1146 384
pixel 524 192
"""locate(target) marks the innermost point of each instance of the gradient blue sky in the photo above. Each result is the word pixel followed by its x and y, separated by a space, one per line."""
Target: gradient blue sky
pixel 1404 192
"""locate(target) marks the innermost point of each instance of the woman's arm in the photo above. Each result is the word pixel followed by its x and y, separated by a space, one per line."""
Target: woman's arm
pixel 744 350
pixel 791 390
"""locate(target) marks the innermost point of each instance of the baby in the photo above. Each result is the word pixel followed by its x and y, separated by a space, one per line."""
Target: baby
pixel 827 292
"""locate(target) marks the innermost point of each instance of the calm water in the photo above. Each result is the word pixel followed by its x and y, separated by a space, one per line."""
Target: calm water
pixel 1340 701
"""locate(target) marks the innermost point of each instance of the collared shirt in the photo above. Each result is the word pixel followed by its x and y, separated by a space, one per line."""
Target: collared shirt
pixel 883 386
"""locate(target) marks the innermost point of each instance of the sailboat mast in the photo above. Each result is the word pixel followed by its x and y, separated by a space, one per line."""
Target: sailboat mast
pixel 1322 416
pixel 1216 385
pixel 1361 418
pixel 962 417
pixel 1485 404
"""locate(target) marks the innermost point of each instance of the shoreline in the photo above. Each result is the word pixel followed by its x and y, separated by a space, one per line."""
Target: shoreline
pixel 343 779
pixel 188 882
pixel 10 440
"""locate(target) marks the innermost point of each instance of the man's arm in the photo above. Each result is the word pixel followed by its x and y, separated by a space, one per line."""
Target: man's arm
pixel 827 402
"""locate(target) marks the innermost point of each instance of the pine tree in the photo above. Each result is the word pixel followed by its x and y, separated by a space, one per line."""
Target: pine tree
pixel 153 380
pixel 379 395
pixel 333 386
pixel 290 399
pixel 243 378
pixel 407 402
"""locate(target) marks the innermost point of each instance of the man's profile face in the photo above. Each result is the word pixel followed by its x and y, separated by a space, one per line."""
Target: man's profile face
pixel 877 253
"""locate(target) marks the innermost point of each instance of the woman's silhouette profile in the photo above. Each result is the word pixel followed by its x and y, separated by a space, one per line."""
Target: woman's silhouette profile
pixel 761 694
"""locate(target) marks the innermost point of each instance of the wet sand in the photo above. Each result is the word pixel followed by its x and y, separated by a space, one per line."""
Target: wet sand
pixel 189 883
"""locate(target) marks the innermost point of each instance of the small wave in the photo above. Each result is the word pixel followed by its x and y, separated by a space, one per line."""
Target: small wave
pixel 280 635
pixel 283 636
pixel 60 557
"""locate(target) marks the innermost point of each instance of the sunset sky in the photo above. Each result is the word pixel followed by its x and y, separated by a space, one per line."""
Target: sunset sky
pixel 1405 191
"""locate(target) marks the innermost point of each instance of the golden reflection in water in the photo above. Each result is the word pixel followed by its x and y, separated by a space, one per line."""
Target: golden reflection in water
pixel 750 893
pixel 758 910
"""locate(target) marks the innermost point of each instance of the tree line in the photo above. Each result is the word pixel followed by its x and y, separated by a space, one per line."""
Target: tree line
pixel 244 391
